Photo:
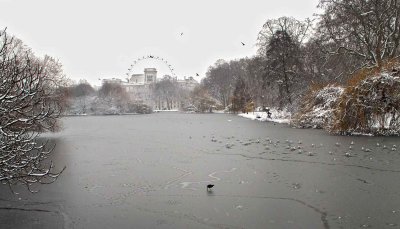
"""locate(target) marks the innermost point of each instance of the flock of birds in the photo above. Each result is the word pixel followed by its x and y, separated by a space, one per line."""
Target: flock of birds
pixel 301 149
pixel 293 147
pixel 351 147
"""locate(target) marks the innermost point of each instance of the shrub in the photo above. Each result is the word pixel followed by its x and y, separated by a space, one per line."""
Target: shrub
pixel 316 108
pixel 371 102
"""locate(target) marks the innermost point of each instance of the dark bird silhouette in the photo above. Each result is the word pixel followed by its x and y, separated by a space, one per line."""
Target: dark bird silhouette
pixel 181 34
pixel 209 186
pixel 197 74
pixel 243 44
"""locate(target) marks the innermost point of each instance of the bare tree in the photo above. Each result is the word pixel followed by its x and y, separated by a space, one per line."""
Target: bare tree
pixel 298 31
pixel 111 96
pixel 168 91
pixel 323 68
pixel 202 100
pixel 220 81
pixel 241 97
pixel 112 90
pixel 259 86
pixel 82 89
pixel 369 30
pixel 281 41
pixel 81 94
pixel 29 104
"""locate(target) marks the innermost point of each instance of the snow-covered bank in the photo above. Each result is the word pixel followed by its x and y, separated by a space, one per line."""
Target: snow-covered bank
pixel 371 105
pixel 317 108
pixel 368 105
pixel 279 116
pixel 166 110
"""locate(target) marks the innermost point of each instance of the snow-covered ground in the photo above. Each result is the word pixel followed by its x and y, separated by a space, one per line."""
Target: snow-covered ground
pixel 279 116
pixel 174 110
pixel 379 93
pixel 317 108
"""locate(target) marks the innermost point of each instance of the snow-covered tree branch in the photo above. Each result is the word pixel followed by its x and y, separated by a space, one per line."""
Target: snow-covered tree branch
pixel 29 104
pixel 366 29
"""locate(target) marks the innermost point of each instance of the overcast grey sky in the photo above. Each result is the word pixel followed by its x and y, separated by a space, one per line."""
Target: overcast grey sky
pixel 101 39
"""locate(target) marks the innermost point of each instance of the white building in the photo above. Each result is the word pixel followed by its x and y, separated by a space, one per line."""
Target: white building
pixel 140 87
pixel 149 76
pixel 112 80
pixel 136 79
pixel 188 83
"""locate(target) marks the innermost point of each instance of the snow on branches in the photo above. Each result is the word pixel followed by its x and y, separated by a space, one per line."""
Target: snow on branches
pixel 371 106
pixel 316 110
pixel 28 104
pixel 368 104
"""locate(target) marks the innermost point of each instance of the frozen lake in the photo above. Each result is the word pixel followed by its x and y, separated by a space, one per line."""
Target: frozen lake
pixel 151 171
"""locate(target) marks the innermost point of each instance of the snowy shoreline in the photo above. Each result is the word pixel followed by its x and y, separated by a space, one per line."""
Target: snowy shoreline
pixel 284 118
pixel 276 116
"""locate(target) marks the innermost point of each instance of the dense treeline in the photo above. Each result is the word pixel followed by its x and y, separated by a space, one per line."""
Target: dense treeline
pixel 297 56
pixel 110 99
